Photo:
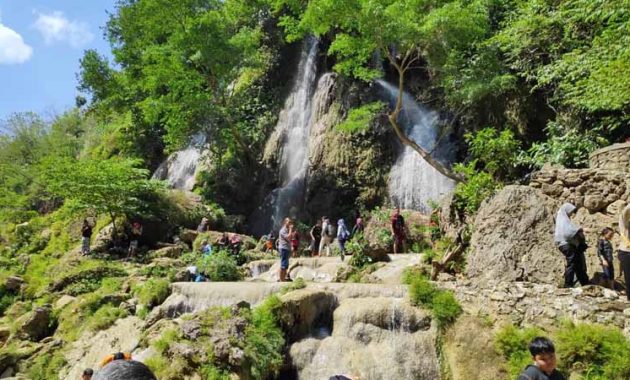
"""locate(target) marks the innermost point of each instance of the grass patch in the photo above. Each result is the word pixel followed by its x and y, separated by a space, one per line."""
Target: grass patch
pixel 220 266
pixel 104 317
pixel 46 366
pixel 264 340
pixel 153 292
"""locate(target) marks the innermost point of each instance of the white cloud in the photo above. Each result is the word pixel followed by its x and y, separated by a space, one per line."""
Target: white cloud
pixel 13 49
pixel 55 27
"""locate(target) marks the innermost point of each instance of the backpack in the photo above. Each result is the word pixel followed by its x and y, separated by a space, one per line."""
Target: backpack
pixel 344 235
pixel 330 230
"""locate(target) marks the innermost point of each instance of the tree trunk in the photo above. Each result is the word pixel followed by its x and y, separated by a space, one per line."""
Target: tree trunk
pixel 393 120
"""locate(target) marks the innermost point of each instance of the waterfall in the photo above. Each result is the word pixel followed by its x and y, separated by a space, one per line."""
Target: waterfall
pixel 413 182
pixel 293 129
pixel 179 168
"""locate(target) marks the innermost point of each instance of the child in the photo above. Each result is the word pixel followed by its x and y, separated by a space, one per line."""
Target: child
pixel 544 356
pixel 605 255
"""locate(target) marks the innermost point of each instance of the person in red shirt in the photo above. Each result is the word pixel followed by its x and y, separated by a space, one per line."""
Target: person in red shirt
pixel 398 231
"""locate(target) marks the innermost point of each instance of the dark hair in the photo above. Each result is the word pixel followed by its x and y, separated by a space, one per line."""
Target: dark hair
pixel 541 345
pixel 88 372
pixel 124 370
pixel 606 230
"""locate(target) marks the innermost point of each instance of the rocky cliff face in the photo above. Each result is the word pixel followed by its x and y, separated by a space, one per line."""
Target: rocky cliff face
pixel 513 237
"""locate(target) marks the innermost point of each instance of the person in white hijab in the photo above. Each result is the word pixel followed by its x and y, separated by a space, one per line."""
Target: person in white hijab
pixel 624 247
pixel 570 241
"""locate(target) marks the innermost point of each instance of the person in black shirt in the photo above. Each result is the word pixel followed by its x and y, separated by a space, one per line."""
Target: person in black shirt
pixel 316 237
pixel 86 234
pixel 544 357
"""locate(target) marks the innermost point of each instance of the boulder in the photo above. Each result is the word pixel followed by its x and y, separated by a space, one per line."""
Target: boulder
pixel 37 324
pixel 188 236
pixel 13 283
pixel 513 238
pixel 64 301
pixel 5 332
pixel 171 251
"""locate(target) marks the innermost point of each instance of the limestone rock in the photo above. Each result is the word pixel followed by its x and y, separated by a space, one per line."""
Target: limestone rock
pixel 302 308
pixel 5 332
pixel 64 301
pixel 513 238
pixel 37 324
pixel 171 251
pixel 13 283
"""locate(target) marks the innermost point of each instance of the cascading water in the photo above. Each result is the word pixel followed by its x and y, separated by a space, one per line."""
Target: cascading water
pixel 293 128
pixel 179 168
pixel 413 182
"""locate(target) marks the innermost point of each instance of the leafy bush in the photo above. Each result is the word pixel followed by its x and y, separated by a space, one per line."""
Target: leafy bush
pixel 594 351
pixel 153 292
pixel 6 299
pixel 220 266
pixel 358 247
pixel 412 273
pixel 443 305
pixel 512 343
pixel 565 146
pixel 360 118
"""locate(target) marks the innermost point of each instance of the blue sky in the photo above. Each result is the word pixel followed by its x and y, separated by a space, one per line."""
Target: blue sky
pixel 41 43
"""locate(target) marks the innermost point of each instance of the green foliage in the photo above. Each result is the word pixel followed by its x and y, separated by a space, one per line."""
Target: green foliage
pixel 115 187
pixel 566 147
pixel 478 185
pixel 360 118
pixel 412 273
pixel 6 299
pixel 47 366
pixel 297 284
pixel 264 340
pixel 443 305
pixel 512 343
pixel 596 352
pixel 153 292
pixel 219 266
pixel 358 247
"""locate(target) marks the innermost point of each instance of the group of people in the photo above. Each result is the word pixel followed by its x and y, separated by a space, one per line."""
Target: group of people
pixel 571 241
pixel 132 234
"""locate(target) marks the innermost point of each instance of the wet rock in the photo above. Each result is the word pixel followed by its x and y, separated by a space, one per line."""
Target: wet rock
pixel 302 308
pixel 36 325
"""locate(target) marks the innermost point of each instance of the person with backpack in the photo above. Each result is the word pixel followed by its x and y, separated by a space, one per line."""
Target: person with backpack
pixel 342 237
pixel 316 237
pixel 569 237
pixel 328 235
pixel 398 231
pixel 295 241
pixel 86 234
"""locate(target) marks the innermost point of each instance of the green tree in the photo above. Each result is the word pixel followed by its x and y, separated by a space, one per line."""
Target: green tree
pixel 115 186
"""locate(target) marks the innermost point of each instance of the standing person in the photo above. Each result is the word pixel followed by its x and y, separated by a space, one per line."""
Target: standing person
pixel 295 241
pixel 624 248
pixel 328 234
pixel 342 236
pixel 316 237
pixel 206 248
pixel 223 242
pixel 203 226
pixel 86 234
pixel 397 229
pixel 136 232
pixel 358 226
pixel 269 243
pixel 570 240
pixel 284 246
pixel 605 255
pixel 544 357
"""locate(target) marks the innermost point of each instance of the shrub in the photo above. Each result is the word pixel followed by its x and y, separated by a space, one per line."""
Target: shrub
pixel 358 247
pixel 442 304
pixel 512 343
pixel 220 266
pixel 153 292
pixel 596 352
pixel 478 185
pixel 411 273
